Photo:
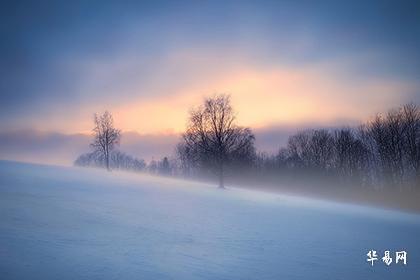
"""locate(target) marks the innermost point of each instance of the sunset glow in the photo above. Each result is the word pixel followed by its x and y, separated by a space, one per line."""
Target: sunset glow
pixel 284 65
pixel 262 98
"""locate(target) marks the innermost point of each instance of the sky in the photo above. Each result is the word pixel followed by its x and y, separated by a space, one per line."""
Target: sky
pixel 286 64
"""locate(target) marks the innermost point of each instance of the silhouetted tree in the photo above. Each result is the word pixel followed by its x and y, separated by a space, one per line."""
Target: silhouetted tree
pixel 212 138
pixel 118 160
pixel 186 159
pixel 106 136
pixel 321 149
pixel 153 166
pixel 411 116
pixel 384 152
pixel 311 150
pixel 298 146
pixel 164 167
pixel 350 156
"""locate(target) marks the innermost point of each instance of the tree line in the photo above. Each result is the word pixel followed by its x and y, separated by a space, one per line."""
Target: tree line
pixel 381 153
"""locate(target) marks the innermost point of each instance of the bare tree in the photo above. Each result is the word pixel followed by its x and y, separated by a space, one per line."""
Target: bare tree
pixel 118 160
pixel 212 137
pixel 411 116
pixel 321 149
pixel 164 167
pixel 298 146
pixel 186 159
pixel 311 149
pixel 351 158
pixel 106 136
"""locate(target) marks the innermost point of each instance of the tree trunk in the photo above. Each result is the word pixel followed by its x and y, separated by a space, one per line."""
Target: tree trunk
pixel 221 176
pixel 107 158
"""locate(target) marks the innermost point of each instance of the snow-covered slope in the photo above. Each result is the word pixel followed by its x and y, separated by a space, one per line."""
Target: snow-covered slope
pixel 70 223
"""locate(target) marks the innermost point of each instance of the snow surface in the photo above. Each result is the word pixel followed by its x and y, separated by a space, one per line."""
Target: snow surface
pixel 71 223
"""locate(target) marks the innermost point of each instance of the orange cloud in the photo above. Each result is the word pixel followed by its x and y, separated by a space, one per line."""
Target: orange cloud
pixel 263 98
pixel 262 95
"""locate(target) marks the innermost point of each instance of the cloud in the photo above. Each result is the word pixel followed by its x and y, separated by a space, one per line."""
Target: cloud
pixel 269 96
pixel 42 147
pixel 148 63
pixel 58 148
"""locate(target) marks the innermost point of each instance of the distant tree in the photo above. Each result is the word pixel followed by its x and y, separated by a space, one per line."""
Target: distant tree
pixel 387 138
pixel 118 160
pixel 311 150
pixel 350 155
pixel 212 138
pixel 153 166
pixel 187 162
pixel 321 149
pixel 105 136
pixel 89 160
pixel 164 167
pixel 383 152
pixel 411 117
pixel 298 147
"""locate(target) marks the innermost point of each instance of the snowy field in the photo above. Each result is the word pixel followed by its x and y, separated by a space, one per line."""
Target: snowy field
pixel 70 223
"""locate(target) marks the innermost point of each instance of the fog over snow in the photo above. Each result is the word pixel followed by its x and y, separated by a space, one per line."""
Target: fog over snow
pixel 71 223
